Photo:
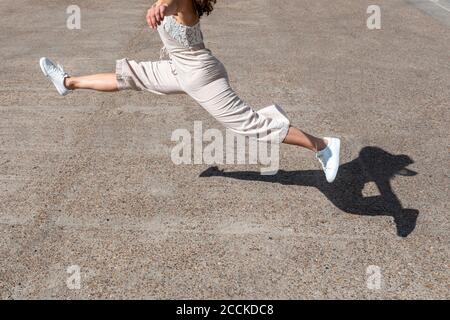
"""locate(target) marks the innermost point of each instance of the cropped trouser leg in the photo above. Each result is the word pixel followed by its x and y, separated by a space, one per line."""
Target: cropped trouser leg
pixel 157 77
pixel 217 97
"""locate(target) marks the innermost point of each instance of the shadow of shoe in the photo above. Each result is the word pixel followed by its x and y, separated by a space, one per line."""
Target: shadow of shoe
pixel 210 172
pixel 405 221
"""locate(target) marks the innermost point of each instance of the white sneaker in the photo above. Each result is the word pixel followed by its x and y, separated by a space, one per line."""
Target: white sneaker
pixel 56 75
pixel 329 158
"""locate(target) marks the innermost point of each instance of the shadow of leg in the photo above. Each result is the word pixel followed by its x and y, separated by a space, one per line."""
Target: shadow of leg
pixel 373 165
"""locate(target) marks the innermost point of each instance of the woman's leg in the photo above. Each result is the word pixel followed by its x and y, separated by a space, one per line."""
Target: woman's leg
pixel 299 138
pixel 105 82
pixel 157 77
pixel 268 124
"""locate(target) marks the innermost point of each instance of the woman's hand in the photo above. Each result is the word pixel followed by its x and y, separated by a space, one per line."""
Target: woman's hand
pixel 156 14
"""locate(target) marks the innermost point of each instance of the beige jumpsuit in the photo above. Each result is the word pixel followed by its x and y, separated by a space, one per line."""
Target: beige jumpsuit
pixel 192 69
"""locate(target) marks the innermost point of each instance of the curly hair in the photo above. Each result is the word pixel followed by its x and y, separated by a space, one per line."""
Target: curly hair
pixel 204 6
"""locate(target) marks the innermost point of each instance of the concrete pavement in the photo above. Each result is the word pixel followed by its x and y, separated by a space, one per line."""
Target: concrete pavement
pixel 87 180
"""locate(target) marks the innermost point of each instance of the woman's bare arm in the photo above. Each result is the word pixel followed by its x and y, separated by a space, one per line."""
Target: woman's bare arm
pixel 161 9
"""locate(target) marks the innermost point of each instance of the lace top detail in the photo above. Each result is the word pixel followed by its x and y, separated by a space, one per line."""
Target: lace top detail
pixel 187 36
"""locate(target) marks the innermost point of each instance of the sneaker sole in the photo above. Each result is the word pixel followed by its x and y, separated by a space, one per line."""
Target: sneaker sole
pixel 41 64
pixel 338 149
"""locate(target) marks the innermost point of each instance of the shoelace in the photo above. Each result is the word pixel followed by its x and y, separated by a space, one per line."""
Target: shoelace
pixel 60 67
pixel 55 69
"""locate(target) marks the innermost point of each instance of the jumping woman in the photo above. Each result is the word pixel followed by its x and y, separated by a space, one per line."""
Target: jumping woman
pixel 192 69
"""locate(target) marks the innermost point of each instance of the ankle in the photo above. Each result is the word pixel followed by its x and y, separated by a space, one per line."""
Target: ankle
pixel 321 145
pixel 68 83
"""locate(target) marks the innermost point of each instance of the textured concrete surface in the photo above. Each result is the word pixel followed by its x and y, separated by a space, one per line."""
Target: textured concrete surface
pixel 87 180
pixel 439 9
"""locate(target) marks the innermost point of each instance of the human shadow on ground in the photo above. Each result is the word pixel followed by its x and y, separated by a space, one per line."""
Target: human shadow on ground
pixel 346 193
